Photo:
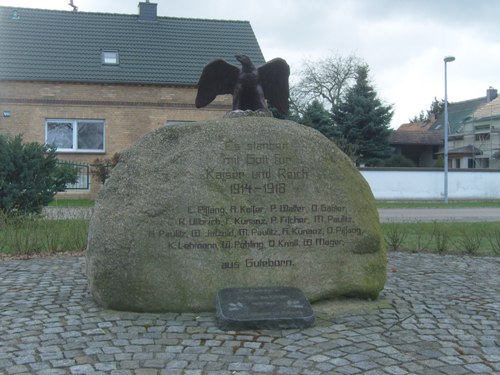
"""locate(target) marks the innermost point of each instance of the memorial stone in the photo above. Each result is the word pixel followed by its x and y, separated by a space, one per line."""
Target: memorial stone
pixel 194 208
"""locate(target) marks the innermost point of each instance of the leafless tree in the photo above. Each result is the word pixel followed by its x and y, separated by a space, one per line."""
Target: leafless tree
pixel 327 79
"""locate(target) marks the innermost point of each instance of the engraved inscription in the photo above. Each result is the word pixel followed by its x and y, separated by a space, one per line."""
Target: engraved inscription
pixel 279 226
pixel 212 174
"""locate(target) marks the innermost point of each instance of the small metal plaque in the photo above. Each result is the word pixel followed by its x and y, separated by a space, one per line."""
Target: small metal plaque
pixel 263 308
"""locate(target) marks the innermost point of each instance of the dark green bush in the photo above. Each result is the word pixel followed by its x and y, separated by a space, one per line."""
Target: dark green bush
pixel 439 162
pixel 30 176
pixel 374 162
pixel 399 161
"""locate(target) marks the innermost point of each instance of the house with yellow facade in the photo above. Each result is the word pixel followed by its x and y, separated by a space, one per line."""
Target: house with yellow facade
pixel 91 84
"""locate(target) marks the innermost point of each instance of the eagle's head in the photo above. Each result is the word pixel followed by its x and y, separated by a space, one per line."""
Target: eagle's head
pixel 245 61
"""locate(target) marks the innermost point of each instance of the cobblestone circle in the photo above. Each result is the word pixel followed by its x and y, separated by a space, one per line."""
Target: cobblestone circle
pixel 441 316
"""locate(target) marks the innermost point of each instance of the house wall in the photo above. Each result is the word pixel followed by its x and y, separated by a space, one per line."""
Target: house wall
pixel 129 111
pixel 488 146
pixel 428 184
pixel 427 158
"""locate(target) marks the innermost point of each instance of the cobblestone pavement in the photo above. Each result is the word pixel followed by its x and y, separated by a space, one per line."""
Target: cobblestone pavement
pixel 440 316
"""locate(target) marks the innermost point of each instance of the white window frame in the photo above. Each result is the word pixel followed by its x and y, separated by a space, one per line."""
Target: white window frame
pixel 74 123
pixel 110 57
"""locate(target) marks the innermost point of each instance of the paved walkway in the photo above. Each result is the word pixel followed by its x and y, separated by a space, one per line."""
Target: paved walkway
pixel 386 214
pixel 471 214
pixel 437 315
pixel 61 213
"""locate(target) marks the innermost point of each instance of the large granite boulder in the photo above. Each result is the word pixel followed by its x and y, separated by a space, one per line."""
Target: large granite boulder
pixel 244 202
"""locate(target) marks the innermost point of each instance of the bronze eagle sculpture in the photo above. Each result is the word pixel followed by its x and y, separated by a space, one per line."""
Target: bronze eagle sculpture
pixel 250 86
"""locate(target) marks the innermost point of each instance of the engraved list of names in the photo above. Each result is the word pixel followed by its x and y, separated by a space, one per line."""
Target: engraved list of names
pixel 267 214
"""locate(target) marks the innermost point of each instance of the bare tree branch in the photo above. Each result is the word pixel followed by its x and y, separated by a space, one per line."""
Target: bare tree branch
pixel 328 79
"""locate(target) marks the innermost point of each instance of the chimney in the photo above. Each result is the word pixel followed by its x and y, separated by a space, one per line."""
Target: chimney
pixel 147 11
pixel 491 94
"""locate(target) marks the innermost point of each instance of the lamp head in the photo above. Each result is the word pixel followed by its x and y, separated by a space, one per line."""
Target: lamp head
pixel 448 59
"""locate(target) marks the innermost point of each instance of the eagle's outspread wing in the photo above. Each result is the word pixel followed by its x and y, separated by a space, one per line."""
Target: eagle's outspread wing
pixel 274 80
pixel 217 78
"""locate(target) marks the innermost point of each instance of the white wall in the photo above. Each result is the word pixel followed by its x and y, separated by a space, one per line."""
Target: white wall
pixel 420 183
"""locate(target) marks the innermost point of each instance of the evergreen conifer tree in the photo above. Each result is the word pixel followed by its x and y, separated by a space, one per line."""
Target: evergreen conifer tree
pixel 317 117
pixel 362 119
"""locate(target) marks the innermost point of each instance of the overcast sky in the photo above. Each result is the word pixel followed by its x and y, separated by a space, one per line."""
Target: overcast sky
pixel 403 41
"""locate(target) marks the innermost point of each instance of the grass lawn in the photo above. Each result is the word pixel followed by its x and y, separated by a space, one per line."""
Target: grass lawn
pixel 30 236
pixel 481 238
pixel 72 203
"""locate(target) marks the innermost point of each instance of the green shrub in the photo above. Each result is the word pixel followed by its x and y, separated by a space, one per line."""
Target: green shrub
pixel 374 162
pixel 399 161
pixel 422 239
pixel 394 236
pixel 494 240
pixel 30 176
pixel 442 237
pixel 469 242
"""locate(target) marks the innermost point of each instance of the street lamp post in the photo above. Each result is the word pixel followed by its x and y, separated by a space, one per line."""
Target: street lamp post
pixel 447 59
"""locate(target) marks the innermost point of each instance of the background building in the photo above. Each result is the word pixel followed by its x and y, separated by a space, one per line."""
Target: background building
pixel 92 83
pixel 474 135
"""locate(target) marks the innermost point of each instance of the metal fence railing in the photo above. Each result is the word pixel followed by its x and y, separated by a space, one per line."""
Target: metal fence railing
pixel 83 175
